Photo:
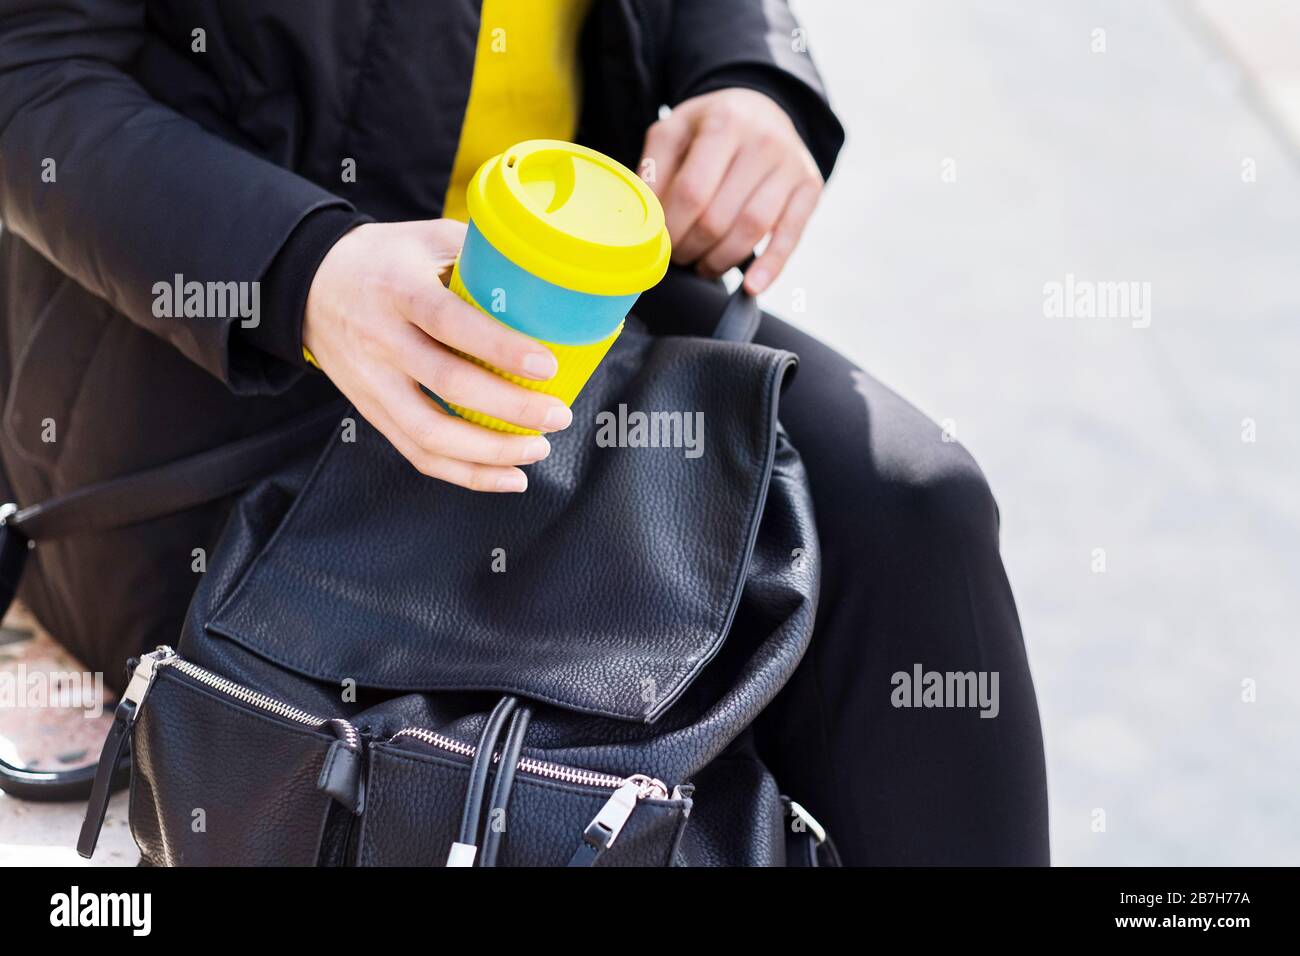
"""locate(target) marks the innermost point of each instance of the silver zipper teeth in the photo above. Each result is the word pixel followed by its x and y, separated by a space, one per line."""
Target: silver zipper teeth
pixel 261 701
pixel 540 768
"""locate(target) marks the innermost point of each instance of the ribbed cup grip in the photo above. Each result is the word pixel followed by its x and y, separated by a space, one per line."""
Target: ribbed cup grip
pixel 577 363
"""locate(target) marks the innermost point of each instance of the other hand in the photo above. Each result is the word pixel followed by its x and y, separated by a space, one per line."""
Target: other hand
pixel 730 169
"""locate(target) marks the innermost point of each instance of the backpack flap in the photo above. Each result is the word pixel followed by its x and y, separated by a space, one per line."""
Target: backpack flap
pixel 605 588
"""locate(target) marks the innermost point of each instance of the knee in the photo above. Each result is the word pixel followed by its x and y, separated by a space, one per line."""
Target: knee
pixel 942 496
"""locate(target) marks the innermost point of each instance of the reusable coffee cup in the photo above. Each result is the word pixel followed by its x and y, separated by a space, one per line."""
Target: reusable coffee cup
pixel 561 242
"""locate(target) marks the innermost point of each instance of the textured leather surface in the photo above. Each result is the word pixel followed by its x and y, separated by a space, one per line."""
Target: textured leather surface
pixel 737 819
pixel 623 565
pixel 414 801
pixel 252 775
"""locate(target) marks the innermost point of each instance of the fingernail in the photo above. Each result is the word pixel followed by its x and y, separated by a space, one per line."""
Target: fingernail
pixel 514 481
pixel 540 365
pixel 535 449
pixel 756 280
pixel 557 418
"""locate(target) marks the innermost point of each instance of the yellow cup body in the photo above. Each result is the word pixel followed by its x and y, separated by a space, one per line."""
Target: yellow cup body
pixel 576 362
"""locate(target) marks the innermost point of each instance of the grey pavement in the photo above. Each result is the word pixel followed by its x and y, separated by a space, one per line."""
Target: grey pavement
pixel 1123 165
pixel 33 834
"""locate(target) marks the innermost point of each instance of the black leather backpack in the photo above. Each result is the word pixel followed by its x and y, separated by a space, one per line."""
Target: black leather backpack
pixel 381 669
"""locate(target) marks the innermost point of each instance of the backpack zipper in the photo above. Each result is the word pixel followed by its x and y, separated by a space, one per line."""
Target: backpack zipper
pixel 164 656
pixel 599 836
pixel 609 821
pixel 343 728
pixel 647 786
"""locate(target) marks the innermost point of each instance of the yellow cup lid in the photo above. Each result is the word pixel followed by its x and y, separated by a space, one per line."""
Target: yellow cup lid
pixel 572 216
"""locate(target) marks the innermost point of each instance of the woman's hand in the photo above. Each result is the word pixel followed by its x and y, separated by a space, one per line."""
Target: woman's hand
pixel 730 168
pixel 380 323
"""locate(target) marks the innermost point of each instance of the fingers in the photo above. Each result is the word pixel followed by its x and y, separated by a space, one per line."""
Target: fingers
pixel 785 237
pixel 665 146
pixel 436 432
pixel 443 316
pixel 373 310
pixel 475 477
pixel 696 183
pixel 429 460
pixel 715 224
pixel 752 221
pixel 727 183
pixel 459 381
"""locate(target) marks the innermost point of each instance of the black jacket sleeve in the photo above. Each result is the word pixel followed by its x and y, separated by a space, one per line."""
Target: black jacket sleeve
pixel 287 282
pixel 122 193
pixel 756 44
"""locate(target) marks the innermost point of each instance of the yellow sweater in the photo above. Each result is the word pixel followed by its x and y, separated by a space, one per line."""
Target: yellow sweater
pixel 525 84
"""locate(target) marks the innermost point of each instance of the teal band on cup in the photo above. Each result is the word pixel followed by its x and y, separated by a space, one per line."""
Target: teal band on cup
pixel 533 306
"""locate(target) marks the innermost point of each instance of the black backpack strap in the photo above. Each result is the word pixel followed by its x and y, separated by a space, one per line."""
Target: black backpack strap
pixel 685 303
pixel 119 502
pixel 172 487
pixel 741 317
pixel 159 491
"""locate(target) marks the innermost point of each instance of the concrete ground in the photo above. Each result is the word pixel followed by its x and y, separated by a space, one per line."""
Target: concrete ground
pixel 1146 473
pixel 62 724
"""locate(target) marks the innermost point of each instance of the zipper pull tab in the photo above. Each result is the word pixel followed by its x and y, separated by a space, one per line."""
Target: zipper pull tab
pixel 142 677
pixel 602 831
pixel 119 734
pixel 340 776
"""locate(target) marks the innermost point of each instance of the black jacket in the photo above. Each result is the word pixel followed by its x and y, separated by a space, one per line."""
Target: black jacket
pixel 144 140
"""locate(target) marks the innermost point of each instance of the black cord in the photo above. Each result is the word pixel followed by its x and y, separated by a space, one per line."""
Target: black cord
pixel 462 852
pixel 501 790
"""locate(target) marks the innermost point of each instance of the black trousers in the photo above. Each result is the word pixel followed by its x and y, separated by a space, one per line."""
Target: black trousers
pixel 911 576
